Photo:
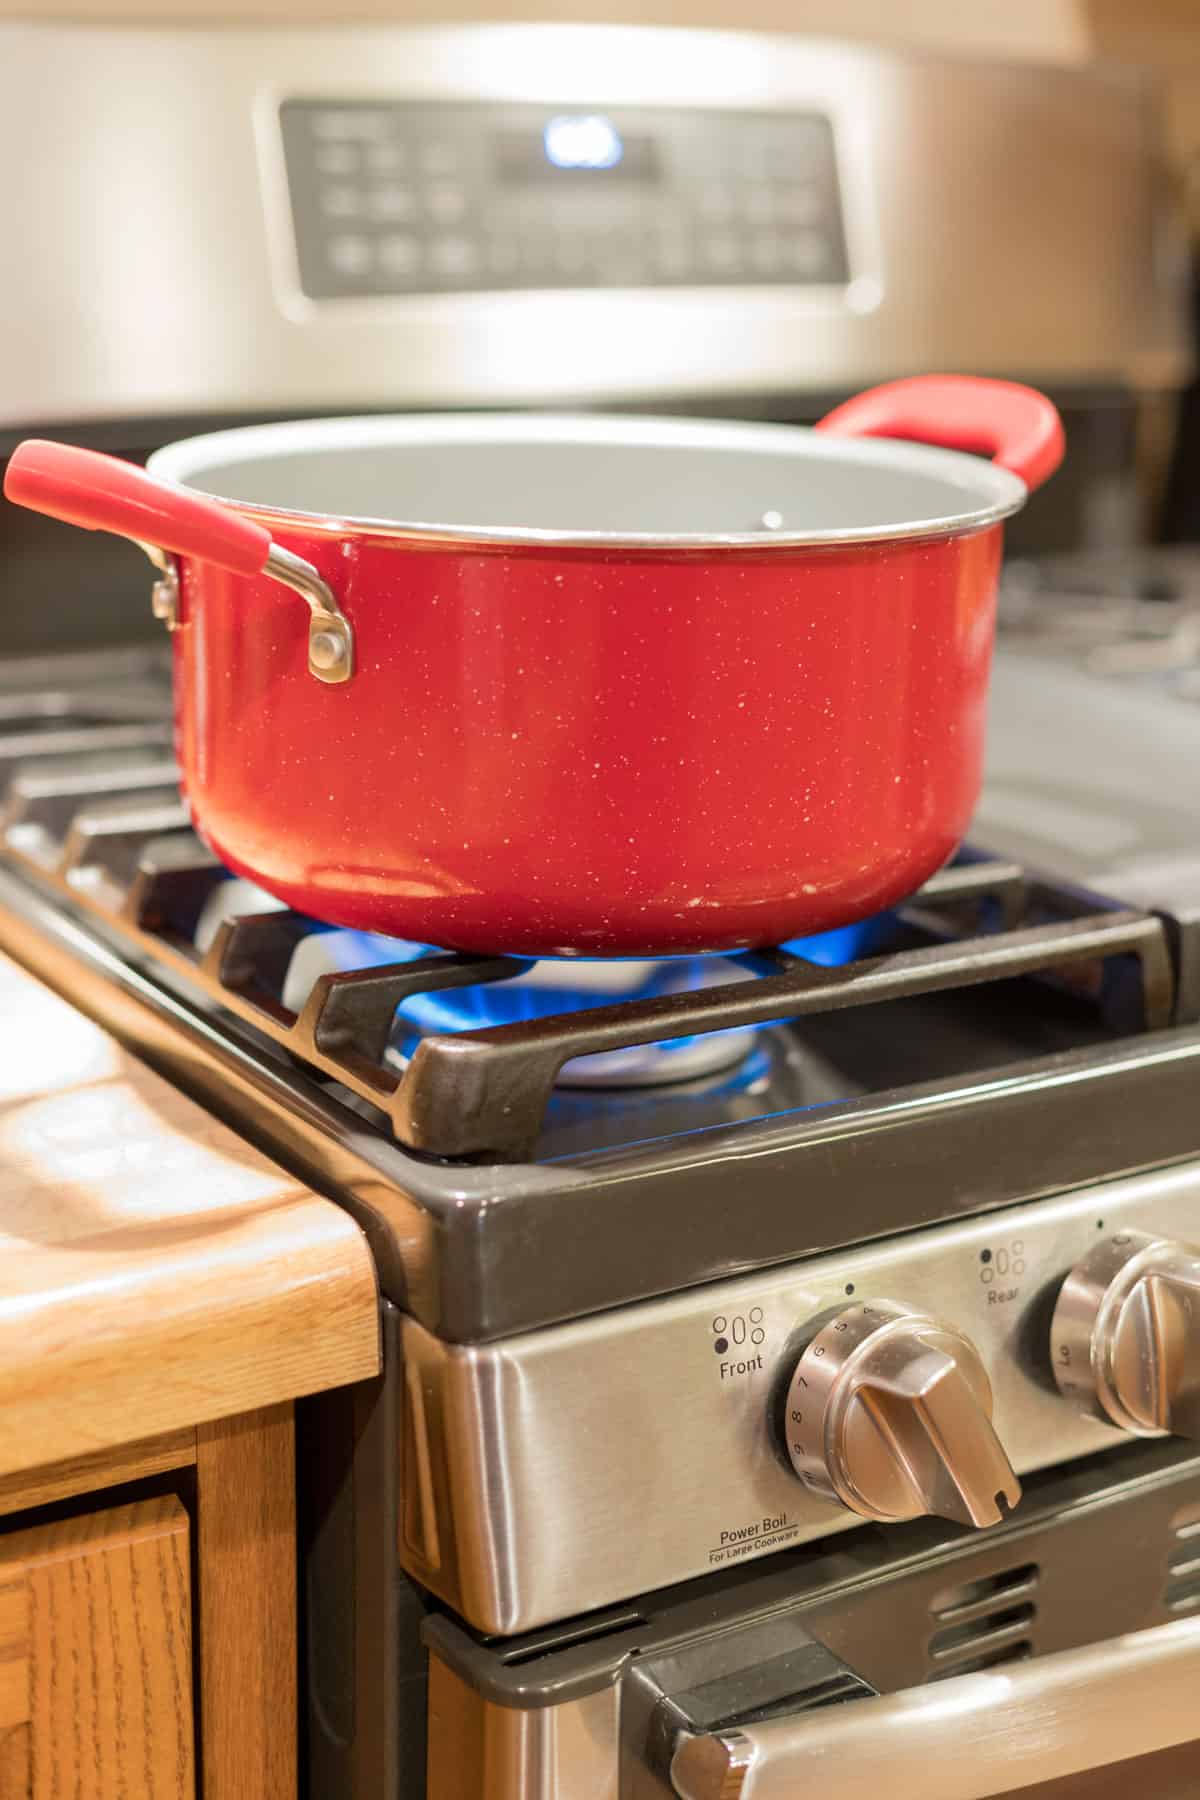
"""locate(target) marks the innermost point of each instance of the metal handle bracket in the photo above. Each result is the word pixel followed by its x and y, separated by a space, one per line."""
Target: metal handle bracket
pixel 330 633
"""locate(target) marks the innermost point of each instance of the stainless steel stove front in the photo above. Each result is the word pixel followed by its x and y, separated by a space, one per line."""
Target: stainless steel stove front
pixel 568 1468
pixel 1055 1659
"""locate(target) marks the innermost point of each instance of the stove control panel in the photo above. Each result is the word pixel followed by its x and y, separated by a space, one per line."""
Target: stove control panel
pixel 912 1375
pixel 1125 1338
pixel 889 1411
pixel 396 197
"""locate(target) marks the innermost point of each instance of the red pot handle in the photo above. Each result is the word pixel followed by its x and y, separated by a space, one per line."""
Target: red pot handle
pixel 103 493
pixel 1016 426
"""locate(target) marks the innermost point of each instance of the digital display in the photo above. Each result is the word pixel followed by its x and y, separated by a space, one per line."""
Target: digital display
pixel 584 141
pixel 584 144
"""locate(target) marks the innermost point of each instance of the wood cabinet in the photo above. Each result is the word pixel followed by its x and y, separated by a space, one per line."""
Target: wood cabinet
pixel 103 1613
pixel 96 1657
pixel 166 1293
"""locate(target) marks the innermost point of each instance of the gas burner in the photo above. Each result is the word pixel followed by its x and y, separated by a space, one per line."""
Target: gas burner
pixel 557 987
pixel 546 989
pixel 484 1092
pixel 541 990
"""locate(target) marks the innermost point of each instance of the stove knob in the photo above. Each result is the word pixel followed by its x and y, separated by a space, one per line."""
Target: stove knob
pixel 890 1412
pixel 1125 1339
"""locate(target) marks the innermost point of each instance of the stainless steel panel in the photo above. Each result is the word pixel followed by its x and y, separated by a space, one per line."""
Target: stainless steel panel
pixel 971 1737
pixel 998 220
pixel 575 1466
pixel 480 1751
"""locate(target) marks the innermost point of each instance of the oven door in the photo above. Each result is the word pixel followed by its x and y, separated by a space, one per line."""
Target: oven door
pixel 1118 1717
pixel 1055 1657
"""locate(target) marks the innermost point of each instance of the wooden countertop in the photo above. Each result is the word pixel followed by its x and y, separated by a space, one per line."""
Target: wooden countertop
pixel 155 1271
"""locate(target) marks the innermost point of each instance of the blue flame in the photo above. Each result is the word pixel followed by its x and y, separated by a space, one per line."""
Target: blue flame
pixel 519 1000
pixel 834 948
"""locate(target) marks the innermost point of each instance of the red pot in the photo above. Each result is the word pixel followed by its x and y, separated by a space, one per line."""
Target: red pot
pixel 645 687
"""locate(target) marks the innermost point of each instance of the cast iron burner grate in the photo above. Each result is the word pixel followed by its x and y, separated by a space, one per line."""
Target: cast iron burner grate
pixel 108 834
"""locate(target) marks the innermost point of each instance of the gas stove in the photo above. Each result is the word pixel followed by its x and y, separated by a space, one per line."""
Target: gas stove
pixel 620 1212
pixel 999 1002
pixel 701 1283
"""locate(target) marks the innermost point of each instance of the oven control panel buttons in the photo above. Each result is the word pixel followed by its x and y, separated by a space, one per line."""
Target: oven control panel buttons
pixel 889 1412
pixel 394 196
pixel 1125 1338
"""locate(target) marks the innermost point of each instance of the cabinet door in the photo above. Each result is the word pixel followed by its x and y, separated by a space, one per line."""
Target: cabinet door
pixel 95 1657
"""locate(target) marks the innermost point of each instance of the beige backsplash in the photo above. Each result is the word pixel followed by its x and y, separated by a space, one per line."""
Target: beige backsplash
pixel 1053 29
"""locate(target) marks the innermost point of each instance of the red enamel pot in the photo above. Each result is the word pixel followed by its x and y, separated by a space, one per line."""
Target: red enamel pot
pixel 630 687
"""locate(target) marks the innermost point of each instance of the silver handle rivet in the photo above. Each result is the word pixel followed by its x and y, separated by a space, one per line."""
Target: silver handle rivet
pixel 325 649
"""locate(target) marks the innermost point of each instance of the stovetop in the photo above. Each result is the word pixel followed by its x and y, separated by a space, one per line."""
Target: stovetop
pixel 1006 1034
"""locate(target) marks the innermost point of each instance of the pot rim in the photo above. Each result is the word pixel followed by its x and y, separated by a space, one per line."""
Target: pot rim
pixel 997 492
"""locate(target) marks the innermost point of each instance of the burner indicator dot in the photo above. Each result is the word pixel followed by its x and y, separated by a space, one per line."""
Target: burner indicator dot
pixel 849 1287
pixel 1099 1224
pixel 721 1346
pixel 756 1314
pixel 985 1256
pixel 719 1323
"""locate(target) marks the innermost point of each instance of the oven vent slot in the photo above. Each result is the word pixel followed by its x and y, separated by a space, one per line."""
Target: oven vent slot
pixel 1185 1561
pixel 1183 1583
pixel 976 1599
pixel 1183 1564
pixel 981 1635
pixel 983 1622
pixel 564 1637
pixel 1184 1596
pixel 1186 1523
pixel 1021 1651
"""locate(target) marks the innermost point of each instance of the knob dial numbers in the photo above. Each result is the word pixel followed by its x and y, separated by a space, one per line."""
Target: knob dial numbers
pixel 1125 1339
pixel 889 1413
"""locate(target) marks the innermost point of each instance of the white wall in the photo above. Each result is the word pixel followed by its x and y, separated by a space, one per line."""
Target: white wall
pixel 1054 29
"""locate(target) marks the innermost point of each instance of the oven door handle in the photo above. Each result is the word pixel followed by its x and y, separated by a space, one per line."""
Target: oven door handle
pixel 974 1735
